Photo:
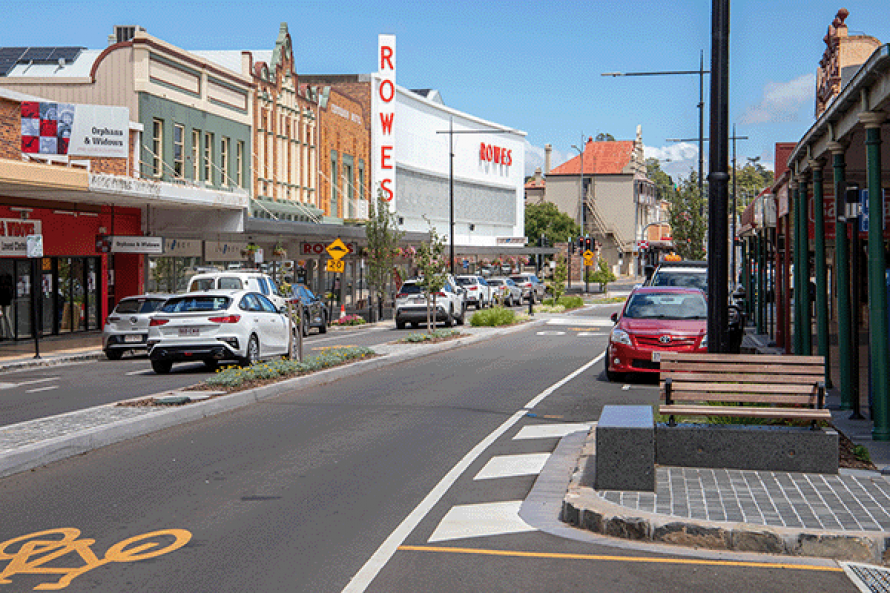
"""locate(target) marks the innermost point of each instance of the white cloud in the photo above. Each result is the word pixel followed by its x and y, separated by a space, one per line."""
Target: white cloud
pixel 534 157
pixel 676 159
pixel 781 101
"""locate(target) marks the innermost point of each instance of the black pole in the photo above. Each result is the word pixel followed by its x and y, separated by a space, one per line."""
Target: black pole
pixel 451 187
pixel 35 284
pixel 718 318
pixel 701 123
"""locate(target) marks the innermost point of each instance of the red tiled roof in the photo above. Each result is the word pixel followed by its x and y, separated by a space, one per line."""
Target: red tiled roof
pixel 535 183
pixel 600 158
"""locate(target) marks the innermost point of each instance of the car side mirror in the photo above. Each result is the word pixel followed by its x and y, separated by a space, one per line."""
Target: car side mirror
pixel 614 317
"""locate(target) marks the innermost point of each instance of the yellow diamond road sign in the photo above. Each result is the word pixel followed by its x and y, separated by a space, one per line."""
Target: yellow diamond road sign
pixel 335 265
pixel 587 254
pixel 337 249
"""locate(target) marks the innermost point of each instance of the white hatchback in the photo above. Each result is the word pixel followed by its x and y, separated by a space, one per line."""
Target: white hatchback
pixel 254 280
pixel 238 325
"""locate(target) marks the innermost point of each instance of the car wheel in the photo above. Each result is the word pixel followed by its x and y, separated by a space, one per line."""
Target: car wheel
pixel 114 354
pixel 415 325
pixel 210 364
pixel 324 324
pixel 292 346
pixel 161 367
pixel 614 377
pixel 400 324
pixel 253 352
pixel 460 320
pixel 449 319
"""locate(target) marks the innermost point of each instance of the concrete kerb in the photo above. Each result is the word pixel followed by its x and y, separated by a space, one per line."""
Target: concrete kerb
pixel 52 360
pixel 27 457
pixel 582 508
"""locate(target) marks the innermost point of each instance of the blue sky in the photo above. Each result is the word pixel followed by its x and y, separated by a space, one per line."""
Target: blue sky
pixel 531 65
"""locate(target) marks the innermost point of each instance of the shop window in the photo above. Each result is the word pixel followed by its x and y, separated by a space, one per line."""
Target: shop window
pixel 196 155
pixel 208 158
pixel 157 148
pixel 224 160
pixel 178 151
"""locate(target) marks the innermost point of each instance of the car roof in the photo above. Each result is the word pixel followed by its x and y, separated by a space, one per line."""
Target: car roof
pixel 148 295
pixel 683 264
pixel 666 289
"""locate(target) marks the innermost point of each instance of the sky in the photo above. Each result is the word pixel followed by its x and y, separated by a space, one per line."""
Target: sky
pixel 531 65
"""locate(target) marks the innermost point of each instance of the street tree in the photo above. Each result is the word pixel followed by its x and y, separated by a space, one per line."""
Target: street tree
pixel 663 182
pixel 547 220
pixel 433 272
pixel 604 137
pixel 383 235
pixel 687 217
pixel 557 284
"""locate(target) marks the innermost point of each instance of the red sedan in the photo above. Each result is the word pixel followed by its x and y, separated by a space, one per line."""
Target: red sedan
pixel 656 319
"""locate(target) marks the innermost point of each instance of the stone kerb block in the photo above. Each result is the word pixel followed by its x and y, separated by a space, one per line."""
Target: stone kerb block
pixel 625 449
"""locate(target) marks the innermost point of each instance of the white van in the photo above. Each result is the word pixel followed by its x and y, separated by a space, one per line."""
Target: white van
pixel 238 280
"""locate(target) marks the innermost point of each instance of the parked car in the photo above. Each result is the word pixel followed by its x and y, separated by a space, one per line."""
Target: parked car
pixel 532 287
pixel 690 274
pixel 126 328
pixel 506 290
pixel 313 311
pixel 411 305
pixel 211 326
pixel 479 293
pixel 238 280
pixel 652 320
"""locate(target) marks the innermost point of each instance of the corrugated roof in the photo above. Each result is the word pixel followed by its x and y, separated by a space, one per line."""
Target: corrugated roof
pixel 600 158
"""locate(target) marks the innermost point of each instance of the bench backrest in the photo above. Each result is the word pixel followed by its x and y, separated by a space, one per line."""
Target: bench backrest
pixel 774 380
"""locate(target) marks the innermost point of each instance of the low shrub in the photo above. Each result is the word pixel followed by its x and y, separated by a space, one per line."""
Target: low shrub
pixel 570 302
pixel 493 317
pixel 438 334
pixel 234 377
pixel 349 320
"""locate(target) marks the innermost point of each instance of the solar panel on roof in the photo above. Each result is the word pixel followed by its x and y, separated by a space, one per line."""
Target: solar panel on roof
pixel 10 56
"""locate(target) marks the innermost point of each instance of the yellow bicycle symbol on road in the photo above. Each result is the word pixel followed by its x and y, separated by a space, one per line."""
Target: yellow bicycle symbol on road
pixel 35 550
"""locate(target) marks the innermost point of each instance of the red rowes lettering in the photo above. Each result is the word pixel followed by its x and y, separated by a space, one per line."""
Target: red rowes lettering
pixel 495 154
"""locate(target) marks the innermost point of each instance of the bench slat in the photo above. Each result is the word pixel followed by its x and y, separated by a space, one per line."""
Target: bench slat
pixel 748 368
pixel 754 398
pixel 808 389
pixel 746 412
pixel 739 378
pixel 768 358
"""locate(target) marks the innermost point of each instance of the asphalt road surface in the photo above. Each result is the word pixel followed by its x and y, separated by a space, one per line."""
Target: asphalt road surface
pixel 391 480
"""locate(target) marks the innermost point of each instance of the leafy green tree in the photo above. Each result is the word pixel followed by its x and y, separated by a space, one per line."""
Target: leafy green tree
pixel 662 181
pixel 602 275
pixel 750 180
pixel 604 137
pixel 383 236
pixel 431 266
pixel 687 216
pixel 546 219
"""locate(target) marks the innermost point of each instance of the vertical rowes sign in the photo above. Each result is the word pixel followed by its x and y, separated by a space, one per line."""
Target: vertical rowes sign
pixel 383 104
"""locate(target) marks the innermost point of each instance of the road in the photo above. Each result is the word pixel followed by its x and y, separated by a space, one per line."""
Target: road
pixel 364 484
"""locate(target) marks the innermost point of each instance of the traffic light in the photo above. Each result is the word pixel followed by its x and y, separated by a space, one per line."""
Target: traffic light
pixel 588 244
pixel 581 244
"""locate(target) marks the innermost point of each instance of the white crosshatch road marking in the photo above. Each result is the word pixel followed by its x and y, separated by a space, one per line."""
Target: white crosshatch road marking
pixel 549 431
pixel 508 466
pixel 580 321
pixel 481 520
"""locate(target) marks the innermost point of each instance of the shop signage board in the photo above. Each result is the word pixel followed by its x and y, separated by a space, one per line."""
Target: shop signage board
pixel 183 247
pixel 318 248
pixel 13 236
pixel 137 244
pixel 77 130
pixel 383 112
pixel 34 245
pixel 225 250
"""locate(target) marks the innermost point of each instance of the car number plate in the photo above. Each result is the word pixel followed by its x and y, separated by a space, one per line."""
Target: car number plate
pixel 656 356
pixel 134 338
pixel 418 300
pixel 189 331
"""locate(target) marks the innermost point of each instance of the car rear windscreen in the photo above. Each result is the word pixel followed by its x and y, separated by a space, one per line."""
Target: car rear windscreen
pixel 410 289
pixel 194 304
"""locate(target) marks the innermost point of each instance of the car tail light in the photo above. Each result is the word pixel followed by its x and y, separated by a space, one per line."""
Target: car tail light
pixel 225 319
pixel 401 295
pixel 156 321
pixel 441 294
pixel 472 288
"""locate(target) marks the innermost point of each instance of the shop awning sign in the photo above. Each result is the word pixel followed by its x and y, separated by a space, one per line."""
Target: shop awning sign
pixel 13 236
pixel 136 244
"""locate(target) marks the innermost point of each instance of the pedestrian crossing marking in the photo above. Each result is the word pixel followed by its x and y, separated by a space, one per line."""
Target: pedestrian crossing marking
pixel 508 466
pixel 548 431
pixel 481 520
pixel 574 321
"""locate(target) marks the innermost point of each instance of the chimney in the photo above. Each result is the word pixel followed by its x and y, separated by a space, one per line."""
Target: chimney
pixel 548 149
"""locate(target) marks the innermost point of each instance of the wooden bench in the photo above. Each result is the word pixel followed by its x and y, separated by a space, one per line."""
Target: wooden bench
pixel 759 386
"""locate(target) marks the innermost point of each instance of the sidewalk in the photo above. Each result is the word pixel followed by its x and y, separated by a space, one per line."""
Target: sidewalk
pixel 842 517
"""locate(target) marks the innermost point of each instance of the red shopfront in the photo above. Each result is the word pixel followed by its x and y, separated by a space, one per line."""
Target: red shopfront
pixel 77 285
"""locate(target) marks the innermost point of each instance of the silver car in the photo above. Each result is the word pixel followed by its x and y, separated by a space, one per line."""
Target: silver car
pixel 506 290
pixel 127 326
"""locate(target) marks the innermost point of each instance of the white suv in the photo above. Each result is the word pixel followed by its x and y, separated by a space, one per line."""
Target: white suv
pixel 411 305
pixel 479 293
pixel 238 280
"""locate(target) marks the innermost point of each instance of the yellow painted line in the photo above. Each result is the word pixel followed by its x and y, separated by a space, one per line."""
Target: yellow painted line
pixel 551 416
pixel 559 556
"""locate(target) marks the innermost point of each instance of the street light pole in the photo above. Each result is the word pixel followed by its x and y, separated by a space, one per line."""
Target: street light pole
pixel 701 106
pixel 451 132
pixel 581 202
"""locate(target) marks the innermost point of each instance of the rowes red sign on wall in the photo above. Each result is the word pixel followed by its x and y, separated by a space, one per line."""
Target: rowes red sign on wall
pixel 495 154
pixel 383 104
